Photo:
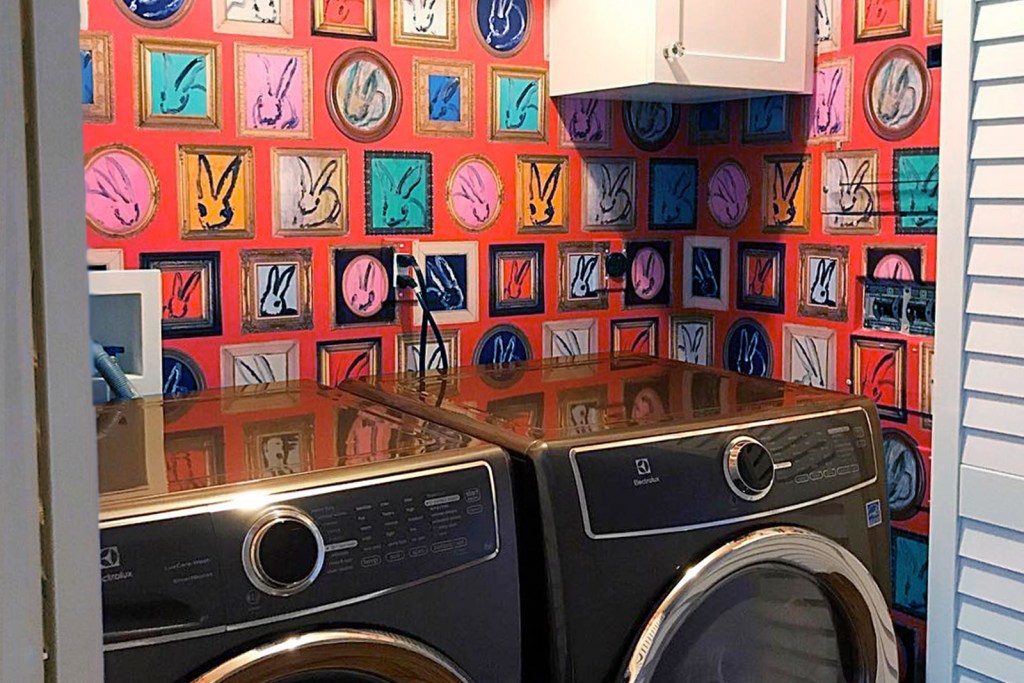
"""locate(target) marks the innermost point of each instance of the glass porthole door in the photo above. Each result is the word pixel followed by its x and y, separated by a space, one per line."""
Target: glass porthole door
pixel 781 605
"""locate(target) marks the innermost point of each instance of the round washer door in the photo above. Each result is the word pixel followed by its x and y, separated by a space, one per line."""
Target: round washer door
pixel 781 605
pixel 339 657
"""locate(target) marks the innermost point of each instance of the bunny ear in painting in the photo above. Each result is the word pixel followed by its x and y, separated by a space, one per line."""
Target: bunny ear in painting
pixel 122 191
pixel 178 83
pixel 274 91
pixel 364 95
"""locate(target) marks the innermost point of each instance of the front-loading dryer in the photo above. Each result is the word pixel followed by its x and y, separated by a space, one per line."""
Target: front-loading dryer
pixel 295 534
pixel 689 525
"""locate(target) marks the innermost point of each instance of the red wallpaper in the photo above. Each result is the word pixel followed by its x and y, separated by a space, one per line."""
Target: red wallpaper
pixel 648 310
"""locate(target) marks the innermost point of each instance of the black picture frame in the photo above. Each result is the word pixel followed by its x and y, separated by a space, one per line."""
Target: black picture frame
pixel 342 314
pixel 663 296
pixel 501 306
pixel 208 325
pixel 748 300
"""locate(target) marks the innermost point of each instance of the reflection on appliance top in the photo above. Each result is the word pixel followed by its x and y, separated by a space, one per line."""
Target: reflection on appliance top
pixel 157 453
pixel 565 398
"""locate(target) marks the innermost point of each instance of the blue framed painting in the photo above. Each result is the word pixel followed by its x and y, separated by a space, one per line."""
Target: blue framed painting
pixel 503 26
pixel 910 573
pixel 710 124
pixel 649 282
pixel 767 119
pixel 444 98
pixel 181 374
pixel 154 13
pixel 673 194
pixel 94 51
pixel 706 272
pixel 518 104
pixel 916 190
pixel 399 193
pixel 502 345
pixel 452 274
pixel 748 349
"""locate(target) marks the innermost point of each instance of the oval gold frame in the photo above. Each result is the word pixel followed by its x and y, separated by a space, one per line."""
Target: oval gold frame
pixel 739 221
pixel 527 34
pixel 904 132
pixel 449 199
pixel 334 108
pixel 186 7
pixel 154 184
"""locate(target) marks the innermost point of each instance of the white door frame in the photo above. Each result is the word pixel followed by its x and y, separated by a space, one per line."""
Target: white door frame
pixel 954 180
pixel 42 230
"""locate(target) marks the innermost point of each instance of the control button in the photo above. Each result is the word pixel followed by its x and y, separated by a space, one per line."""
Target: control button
pixel 749 468
pixel 441 547
pixel 473 495
pixel 283 552
pixel 370 561
pixel 418 551
pixel 395 556
pixel 461 543
pixel 474 509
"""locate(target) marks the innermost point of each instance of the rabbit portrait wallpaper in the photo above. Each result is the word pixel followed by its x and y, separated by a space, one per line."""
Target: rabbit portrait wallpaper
pixel 270 159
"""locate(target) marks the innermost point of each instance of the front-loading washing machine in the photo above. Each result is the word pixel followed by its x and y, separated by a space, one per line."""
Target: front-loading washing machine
pixel 296 534
pixel 690 525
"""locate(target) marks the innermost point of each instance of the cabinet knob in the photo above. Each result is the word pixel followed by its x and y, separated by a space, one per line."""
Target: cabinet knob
pixel 674 51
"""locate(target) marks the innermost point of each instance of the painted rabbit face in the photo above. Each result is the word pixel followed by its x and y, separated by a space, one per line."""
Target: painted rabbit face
pixel 897 92
pixel 475 195
pixel 706 272
pixel 823 16
pixel 215 197
pixel 445 287
pixel 729 194
pixel 425 17
pixel 503 23
pixel 119 192
pixel 825 282
pixel 367 96
pixel 520 104
pixel 543 195
pixel 365 286
pixel 808 363
pixel 402 203
pixel 179 83
pixel 830 102
pixel 254 11
pixel 750 355
pixel 279 293
pixel 315 201
pixel 851 195
pixel 154 10
pixel 918 192
pixel 650 120
pixel 786 187
pixel 583 283
pixel 273 92
pixel 585 119
pixel 691 346
pixel 614 193
pixel 674 194
pixel 648 273
pixel 180 288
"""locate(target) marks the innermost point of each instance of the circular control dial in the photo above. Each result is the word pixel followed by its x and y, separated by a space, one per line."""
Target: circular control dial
pixel 283 553
pixel 749 468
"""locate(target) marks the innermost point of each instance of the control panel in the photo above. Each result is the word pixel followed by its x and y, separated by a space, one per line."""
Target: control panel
pixel 714 476
pixel 299 553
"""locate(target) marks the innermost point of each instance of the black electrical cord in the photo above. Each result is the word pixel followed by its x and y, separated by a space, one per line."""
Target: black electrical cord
pixel 406 261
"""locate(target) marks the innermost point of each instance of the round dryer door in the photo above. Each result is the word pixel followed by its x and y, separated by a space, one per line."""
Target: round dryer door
pixel 781 605
pixel 339 657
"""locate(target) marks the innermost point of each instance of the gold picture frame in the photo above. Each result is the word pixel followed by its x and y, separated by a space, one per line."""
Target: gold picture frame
pixel 575 278
pixel 500 116
pixel 318 184
pixel 325 24
pixel 551 194
pixel 191 225
pixel 812 306
pixel 423 98
pixel 448 41
pixel 283 28
pixel 276 290
pixel 100 46
pixel 786 194
pixel 897 26
pixel 145 48
pixel 933 21
pixel 927 382
pixel 865 351
pixel 303 74
pixel 296 433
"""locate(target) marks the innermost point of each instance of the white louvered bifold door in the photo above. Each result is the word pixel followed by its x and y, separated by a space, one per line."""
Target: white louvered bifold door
pixel 976 590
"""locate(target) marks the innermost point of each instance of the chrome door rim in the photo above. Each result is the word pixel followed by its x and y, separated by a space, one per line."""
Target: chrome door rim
pixel 429 665
pixel 803 550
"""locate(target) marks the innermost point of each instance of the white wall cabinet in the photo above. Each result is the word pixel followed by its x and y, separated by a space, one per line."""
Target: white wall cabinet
pixel 681 50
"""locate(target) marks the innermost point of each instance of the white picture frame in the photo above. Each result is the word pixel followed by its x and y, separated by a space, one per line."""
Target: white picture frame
pixel 261 363
pixel 229 16
pixel 440 279
pixel 105 259
pixel 692 339
pixel 569 339
pixel 809 356
pixel 703 298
